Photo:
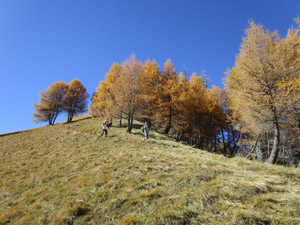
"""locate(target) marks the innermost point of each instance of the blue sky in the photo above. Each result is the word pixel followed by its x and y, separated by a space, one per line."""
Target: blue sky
pixel 43 41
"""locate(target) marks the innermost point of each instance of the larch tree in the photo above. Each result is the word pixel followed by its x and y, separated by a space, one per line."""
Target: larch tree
pixel 253 84
pixel 127 89
pixel 149 78
pixel 201 108
pixel 196 109
pixel 192 106
pixel 104 103
pixel 290 83
pixel 98 107
pixel 166 90
pixel 290 94
pixel 75 99
pixel 181 121
pixel 215 120
pixel 51 103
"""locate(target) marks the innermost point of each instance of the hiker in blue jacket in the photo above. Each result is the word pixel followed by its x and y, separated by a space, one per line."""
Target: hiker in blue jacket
pixel 104 128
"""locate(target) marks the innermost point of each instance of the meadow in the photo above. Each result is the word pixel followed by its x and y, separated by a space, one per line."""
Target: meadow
pixel 63 174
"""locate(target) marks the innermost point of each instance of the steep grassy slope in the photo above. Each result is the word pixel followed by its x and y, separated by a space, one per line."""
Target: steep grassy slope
pixel 61 175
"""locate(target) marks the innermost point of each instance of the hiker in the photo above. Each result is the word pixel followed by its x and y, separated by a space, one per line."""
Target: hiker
pixel 145 129
pixel 104 128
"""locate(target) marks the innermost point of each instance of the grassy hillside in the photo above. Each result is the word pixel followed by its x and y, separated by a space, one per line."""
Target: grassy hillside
pixel 61 175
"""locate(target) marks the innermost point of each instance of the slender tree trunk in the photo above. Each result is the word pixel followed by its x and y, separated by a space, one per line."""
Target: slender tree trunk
pixel 233 140
pixel 71 117
pixel 128 130
pixel 121 120
pixel 223 139
pixel 168 127
pixel 298 126
pixel 215 143
pixel 275 149
pixel 54 117
pixel 179 135
pixel 258 151
pixel 131 122
pixel 51 118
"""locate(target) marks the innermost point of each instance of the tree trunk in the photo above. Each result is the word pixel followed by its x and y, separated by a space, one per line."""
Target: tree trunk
pixel 131 122
pixel 121 120
pixel 54 117
pixel 70 117
pixel 275 149
pixel 235 141
pixel 298 126
pixel 179 135
pixel 128 130
pixel 258 151
pixel 168 127
pixel 51 118
pixel 223 139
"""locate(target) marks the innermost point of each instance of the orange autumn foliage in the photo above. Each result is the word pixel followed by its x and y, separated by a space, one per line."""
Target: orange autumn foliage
pixel 75 99
pixel 51 103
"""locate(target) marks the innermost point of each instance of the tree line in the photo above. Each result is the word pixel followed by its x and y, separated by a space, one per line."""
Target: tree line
pixel 61 97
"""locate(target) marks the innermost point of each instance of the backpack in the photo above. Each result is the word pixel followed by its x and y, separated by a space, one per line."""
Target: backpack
pixel 143 128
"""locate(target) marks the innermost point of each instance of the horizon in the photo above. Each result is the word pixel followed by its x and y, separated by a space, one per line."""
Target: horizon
pixel 44 42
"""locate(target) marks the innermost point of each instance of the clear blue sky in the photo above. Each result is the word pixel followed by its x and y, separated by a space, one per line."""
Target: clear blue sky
pixel 43 41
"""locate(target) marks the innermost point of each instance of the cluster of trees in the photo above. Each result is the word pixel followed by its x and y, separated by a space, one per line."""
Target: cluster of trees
pixel 264 89
pixel 61 97
pixel 172 103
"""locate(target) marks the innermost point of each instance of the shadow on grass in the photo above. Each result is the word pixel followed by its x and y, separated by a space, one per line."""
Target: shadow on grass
pixel 138 133
pixel 134 126
pixel 77 120
pixel 137 126
pixel 153 135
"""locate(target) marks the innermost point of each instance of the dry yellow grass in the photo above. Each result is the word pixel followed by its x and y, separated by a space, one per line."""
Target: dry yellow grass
pixel 61 175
